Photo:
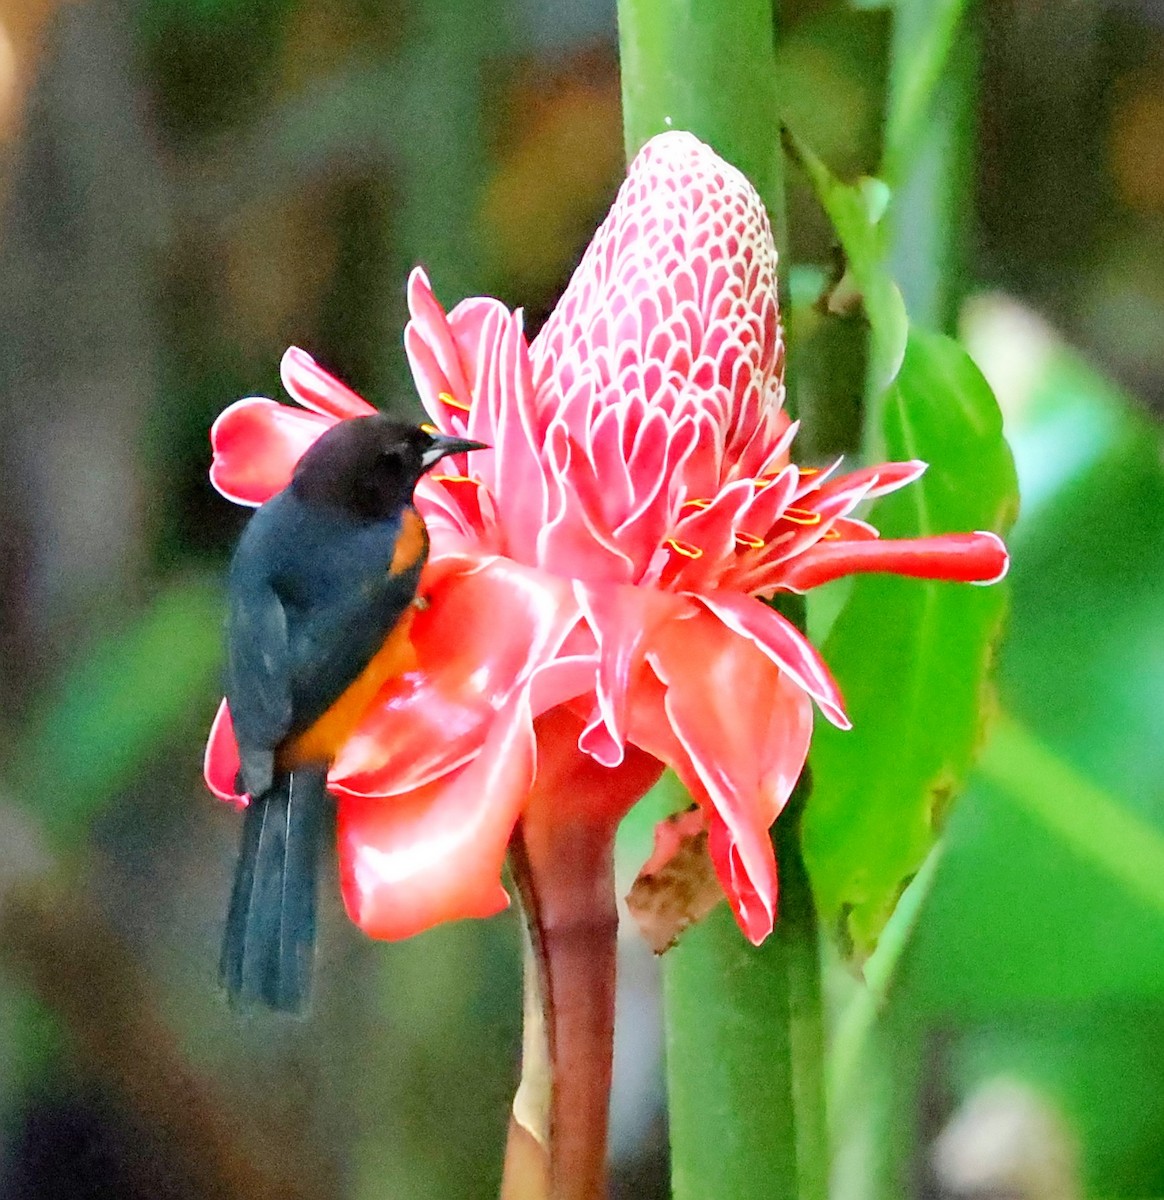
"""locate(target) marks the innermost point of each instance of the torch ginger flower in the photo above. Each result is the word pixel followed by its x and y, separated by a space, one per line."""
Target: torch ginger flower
pixel 596 581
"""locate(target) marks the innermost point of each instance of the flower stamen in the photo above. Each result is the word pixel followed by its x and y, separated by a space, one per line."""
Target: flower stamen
pixel 696 504
pixel 802 516
pixel 831 535
pixel 451 400
pixel 431 430
pixel 454 479
pixel 749 540
pixel 684 548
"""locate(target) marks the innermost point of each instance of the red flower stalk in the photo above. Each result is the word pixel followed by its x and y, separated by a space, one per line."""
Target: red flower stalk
pixel 596 583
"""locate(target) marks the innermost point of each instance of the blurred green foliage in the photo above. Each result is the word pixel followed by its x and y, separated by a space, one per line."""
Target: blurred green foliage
pixel 110 711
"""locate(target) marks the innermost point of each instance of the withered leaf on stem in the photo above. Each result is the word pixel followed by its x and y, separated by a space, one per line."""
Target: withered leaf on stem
pixel 677 886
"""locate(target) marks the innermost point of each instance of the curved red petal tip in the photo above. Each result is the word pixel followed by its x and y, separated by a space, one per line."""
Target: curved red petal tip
pixel 418 281
pixel 313 387
pixel 956 557
pixel 751 892
pixel 220 764
pixel 777 638
pixel 892 476
pixel 423 306
pixel 993 550
pixel 256 445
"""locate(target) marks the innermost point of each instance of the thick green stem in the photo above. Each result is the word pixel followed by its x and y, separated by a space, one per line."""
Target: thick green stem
pixel 707 66
pixel 744 1034
pixel 797 937
pixel 745 1050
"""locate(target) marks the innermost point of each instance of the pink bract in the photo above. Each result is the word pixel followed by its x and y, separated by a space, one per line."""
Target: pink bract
pixel 606 559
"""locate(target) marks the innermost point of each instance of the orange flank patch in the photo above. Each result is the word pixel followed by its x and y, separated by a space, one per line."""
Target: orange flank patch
pixel 411 545
pixel 321 742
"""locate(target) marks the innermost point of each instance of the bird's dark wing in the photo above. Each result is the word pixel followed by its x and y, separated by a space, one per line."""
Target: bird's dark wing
pixel 331 648
pixel 258 680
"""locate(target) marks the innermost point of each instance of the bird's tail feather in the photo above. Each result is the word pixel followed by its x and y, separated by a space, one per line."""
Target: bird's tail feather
pixel 268 948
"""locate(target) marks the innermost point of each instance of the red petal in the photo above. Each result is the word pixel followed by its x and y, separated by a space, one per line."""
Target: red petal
pixel 574 540
pixel 514 471
pixel 964 557
pixel 883 478
pixel 256 446
pixel 487 631
pixel 622 619
pixel 307 382
pixel 435 358
pixel 220 765
pixel 412 861
pixel 736 729
pixel 784 644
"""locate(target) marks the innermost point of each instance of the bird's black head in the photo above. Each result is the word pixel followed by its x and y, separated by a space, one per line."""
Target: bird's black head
pixel 368 466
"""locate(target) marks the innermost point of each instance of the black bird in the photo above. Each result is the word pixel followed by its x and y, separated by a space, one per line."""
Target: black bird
pixel 320 599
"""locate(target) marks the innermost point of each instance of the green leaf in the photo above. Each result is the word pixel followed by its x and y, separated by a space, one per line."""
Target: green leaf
pixel 857 212
pixel 117 704
pixel 911 657
pixel 672 68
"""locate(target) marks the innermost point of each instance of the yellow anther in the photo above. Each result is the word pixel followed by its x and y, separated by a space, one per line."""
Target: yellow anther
pixel 750 540
pixel 431 430
pixel 453 479
pixel 696 504
pixel 451 400
pixel 831 535
pixel 802 516
pixel 807 472
pixel 684 548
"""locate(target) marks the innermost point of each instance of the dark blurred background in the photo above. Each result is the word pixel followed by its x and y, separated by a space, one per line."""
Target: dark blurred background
pixel 189 186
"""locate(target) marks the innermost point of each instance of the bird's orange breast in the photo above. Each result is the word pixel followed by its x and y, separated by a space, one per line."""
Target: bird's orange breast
pixel 321 742
pixel 411 544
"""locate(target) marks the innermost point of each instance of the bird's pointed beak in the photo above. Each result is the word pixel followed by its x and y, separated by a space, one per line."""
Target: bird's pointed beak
pixel 443 445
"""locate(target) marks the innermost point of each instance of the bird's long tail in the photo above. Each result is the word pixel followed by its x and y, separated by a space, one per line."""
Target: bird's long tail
pixel 268 948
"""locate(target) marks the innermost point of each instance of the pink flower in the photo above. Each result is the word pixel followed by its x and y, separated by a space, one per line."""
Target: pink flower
pixel 596 581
